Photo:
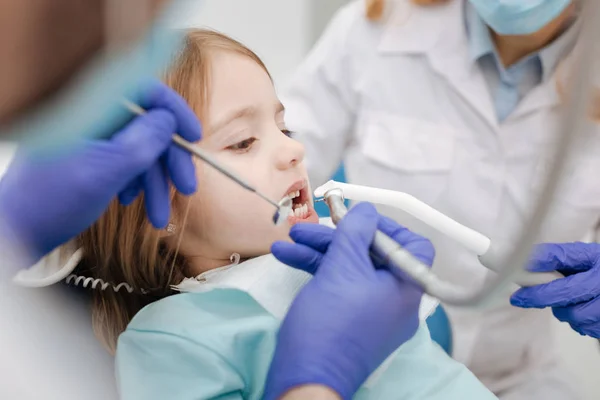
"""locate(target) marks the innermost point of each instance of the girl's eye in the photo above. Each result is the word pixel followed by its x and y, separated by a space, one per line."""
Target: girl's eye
pixel 287 132
pixel 243 145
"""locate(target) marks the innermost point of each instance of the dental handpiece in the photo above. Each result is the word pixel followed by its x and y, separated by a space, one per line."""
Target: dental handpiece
pixel 382 247
pixel 386 251
pixel 283 207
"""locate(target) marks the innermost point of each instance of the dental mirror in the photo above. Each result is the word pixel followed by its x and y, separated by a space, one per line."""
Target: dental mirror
pixel 284 209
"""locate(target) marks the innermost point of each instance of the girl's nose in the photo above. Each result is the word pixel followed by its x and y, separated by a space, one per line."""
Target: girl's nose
pixel 290 154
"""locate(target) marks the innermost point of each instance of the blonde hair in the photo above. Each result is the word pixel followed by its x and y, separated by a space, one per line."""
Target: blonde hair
pixel 122 246
pixel 375 8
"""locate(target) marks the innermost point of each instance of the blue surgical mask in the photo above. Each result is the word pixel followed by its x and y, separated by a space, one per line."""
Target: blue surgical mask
pixel 519 17
pixel 91 105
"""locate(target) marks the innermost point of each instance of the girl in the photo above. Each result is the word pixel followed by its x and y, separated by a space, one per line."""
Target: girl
pixel 216 340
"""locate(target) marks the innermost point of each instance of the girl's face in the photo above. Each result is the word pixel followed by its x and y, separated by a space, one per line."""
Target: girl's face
pixel 245 132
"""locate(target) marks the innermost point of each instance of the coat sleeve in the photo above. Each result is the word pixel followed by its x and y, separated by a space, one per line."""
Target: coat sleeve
pixel 320 99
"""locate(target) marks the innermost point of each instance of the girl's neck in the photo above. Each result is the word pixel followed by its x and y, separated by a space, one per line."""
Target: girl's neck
pixel 200 264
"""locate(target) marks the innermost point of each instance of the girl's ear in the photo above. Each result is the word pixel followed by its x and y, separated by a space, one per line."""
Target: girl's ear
pixel 170 230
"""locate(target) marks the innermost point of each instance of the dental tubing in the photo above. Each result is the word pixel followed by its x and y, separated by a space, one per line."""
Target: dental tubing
pixel 334 192
pixel 467 237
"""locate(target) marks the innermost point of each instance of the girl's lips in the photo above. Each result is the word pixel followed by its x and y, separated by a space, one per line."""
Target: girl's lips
pixel 298 186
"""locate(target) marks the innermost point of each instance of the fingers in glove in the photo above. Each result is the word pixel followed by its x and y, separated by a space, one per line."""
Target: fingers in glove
pixel 157 196
pixel 591 330
pixel 315 236
pixel 567 258
pixel 563 292
pixel 141 143
pixel 297 256
pixel 163 97
pixel 420 247
pixel 131 192
pixel 182 170
pixel 359 224
pixel 581 314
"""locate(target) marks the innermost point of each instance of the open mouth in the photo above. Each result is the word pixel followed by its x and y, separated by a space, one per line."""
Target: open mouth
pixel 302 208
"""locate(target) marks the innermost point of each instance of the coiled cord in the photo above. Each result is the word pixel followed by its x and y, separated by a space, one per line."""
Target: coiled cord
pixel 84 281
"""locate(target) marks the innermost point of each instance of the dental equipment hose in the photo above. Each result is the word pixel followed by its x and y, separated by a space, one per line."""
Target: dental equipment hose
pixel 402 263
pixel 399 261
pixel 469 238
pixel 283 208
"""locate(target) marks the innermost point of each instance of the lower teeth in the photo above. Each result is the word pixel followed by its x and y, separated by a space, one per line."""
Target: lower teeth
pixel 300 211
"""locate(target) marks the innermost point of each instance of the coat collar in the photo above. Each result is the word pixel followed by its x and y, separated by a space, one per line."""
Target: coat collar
pixel 439 33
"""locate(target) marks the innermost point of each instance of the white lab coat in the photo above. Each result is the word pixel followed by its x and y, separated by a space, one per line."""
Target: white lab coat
pixel 403 106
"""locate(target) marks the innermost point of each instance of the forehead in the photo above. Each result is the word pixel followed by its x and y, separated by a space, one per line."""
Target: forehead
pixel 237 81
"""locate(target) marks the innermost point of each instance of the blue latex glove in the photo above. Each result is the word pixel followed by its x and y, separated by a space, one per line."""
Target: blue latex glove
pixel 574 299
pixel 47 201
pixel 350 317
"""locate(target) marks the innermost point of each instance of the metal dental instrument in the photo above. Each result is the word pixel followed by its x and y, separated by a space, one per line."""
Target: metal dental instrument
pixel 399 261
pixel 469 238
pixel 283 207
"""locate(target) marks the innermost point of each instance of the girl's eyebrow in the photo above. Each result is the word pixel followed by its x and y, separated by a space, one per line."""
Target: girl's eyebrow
pixel 245 112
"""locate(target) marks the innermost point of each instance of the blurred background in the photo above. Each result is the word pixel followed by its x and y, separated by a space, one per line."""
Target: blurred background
pixel 282 33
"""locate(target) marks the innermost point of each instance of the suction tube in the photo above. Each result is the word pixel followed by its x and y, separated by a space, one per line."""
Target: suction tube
pixel 400 262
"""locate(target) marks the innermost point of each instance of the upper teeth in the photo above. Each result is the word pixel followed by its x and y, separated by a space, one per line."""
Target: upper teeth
pixel 293 195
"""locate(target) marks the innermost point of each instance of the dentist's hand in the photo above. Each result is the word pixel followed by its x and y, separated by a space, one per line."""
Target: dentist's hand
pixel 351 316
pixel 574 299
pixel 46 202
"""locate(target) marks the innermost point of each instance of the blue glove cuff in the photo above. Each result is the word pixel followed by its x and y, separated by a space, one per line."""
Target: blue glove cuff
pixel 276 389
pixel 337 369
